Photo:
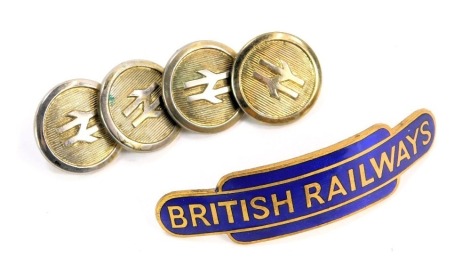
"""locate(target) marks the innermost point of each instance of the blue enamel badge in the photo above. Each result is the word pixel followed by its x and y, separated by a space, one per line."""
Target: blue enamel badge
pixel 304 192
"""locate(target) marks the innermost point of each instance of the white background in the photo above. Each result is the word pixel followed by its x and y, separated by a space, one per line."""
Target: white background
pixel 380 62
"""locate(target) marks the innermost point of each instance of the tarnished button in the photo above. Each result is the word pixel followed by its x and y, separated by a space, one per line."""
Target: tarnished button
pixel 196 87
pixel 131 106
pixel 69 130
pixel 276 78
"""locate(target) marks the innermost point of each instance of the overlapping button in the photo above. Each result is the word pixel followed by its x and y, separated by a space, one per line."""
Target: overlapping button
pixel 276 78
pixel 132 109
pixel 69 130
pixel 197 87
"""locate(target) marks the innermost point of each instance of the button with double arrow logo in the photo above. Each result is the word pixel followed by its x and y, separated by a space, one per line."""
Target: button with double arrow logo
pixel 131 106
pixel 276 78
pixel 196 87
pixel 69 130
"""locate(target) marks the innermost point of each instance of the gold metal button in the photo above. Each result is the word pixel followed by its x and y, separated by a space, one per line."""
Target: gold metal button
pixel 131 106
pixel 276 78
pixel 196 87
pixel 69 130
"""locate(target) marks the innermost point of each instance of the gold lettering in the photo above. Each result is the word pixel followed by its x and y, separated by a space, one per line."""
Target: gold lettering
pixel 287 201
pixel 228 207
pixel 402 153
pixel 384 160
pixel 180 215
pixel 259 207
pixel 200 215
pixel 246 218
pixel 309 195
pixel 425 132
pixel 352 179
pixel 413 141
pixel 364 180
pixel 335 183
pixel 215 217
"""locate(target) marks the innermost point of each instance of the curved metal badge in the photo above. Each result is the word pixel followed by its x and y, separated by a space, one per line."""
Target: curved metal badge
pixel 304 192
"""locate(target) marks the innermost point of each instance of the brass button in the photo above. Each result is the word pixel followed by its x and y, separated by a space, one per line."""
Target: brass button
pixel 196 87
pixel 132 109
pixel 276 78
pixel 69 130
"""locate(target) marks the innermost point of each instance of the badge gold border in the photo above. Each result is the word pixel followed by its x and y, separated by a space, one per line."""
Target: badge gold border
pixel 295 161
